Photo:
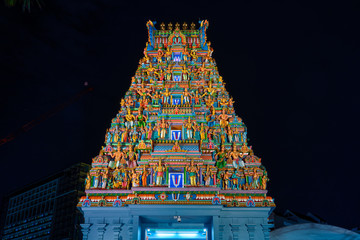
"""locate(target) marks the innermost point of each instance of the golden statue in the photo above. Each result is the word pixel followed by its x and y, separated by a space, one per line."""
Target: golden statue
pixel 119 157
pixel 130 118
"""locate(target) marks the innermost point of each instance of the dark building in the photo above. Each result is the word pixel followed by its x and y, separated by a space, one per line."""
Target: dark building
pixel 46 209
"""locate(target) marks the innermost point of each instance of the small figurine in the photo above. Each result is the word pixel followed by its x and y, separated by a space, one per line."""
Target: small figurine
pixel 159 173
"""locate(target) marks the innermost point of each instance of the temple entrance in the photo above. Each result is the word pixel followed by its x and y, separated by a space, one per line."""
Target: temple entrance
pixel 176 227
pixel 190 234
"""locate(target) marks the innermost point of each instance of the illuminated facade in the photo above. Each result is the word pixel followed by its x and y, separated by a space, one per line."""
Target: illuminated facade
pixel 176 161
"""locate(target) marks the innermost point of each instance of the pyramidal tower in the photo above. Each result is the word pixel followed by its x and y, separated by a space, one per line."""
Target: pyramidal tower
pixel 176 163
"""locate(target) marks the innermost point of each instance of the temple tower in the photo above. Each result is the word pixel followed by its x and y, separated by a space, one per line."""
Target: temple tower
pixel 176 163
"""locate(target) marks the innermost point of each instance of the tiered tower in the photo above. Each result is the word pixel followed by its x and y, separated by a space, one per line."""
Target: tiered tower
pixel 176 148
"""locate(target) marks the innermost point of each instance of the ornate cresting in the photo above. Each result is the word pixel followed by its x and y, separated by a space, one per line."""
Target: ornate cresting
pixel 176 138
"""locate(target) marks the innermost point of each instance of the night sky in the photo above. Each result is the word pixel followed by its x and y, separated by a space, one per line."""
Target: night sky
pixel 292 68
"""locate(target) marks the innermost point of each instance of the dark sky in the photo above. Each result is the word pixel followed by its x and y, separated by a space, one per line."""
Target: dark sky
pixel 292 68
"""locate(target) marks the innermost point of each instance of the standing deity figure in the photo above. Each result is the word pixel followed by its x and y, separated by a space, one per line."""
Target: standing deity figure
pixel 236 133
pixel 141 119
pixel 229 132
pixel 159 173
pixel 156 97
pixel 130 118
pixel 104 179
pixel 168 72
pixel 186 96
pixel 226 180
pixel 220 158
pixel 224 118
pixel 203 129
pixel 119 158
pixel 132 157
pixel 207 175
pixel 255 184
pixel 193 172
pixel 264 180
pixel 150 71
pixel 166 96
pixel 88 181
pixel 235 179
pixel 189 128
pixel 163 128
pixel 196 98
pixel 143 91
pixel 144 175
pixel 96 179
pixel 149 131
pixel 235 156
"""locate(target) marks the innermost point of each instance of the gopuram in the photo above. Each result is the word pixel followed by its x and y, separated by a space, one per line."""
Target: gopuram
pixel 176 163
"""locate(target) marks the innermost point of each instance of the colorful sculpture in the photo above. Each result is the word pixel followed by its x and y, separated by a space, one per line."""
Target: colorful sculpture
pixel 177 118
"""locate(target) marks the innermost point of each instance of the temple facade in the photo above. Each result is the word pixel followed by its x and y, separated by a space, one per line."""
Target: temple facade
pixel 176 163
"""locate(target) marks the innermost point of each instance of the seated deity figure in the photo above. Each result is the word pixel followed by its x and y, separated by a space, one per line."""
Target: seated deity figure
pixel 130 118
pixel 193 172
pixel 159 170
pixel 224 118
pixel 135 178
pixel 235 156
pixel 132 157
pixel 129 102
pixel 220 158
pixel 166 96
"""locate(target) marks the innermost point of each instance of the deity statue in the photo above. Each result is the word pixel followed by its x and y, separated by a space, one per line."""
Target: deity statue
pixel 203 129
pixel 159 173
pixel 144 175
pixel 119 157
pixel 229 132
pixel 220 158
pixel 193 172
pixel 141 119
pixel 235 156
pixel 255 184
pixel 264 180
pixel 129 102
pixel 226 180
pixel 130 118
pixel 235 179
pixel 209 91
pixel 104 179
pixel 189 128
pixel 166 96
pixel 132 157
pixel 207 175
pixel 223 118
pixel 156 97
pixel 135 178
pixel 143 91
pixel 186 96
pixel 176 147
pixel 163 126
pixel 88 181
pixel 149 131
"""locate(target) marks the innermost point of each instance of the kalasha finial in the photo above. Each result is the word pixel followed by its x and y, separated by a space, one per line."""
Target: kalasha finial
pixel 184 26
pixel 170 26
pixel 192 26
pixel 177 26
pixel 162 26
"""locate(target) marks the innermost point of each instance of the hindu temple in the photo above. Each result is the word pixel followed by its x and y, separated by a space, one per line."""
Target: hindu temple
pixel 176 162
